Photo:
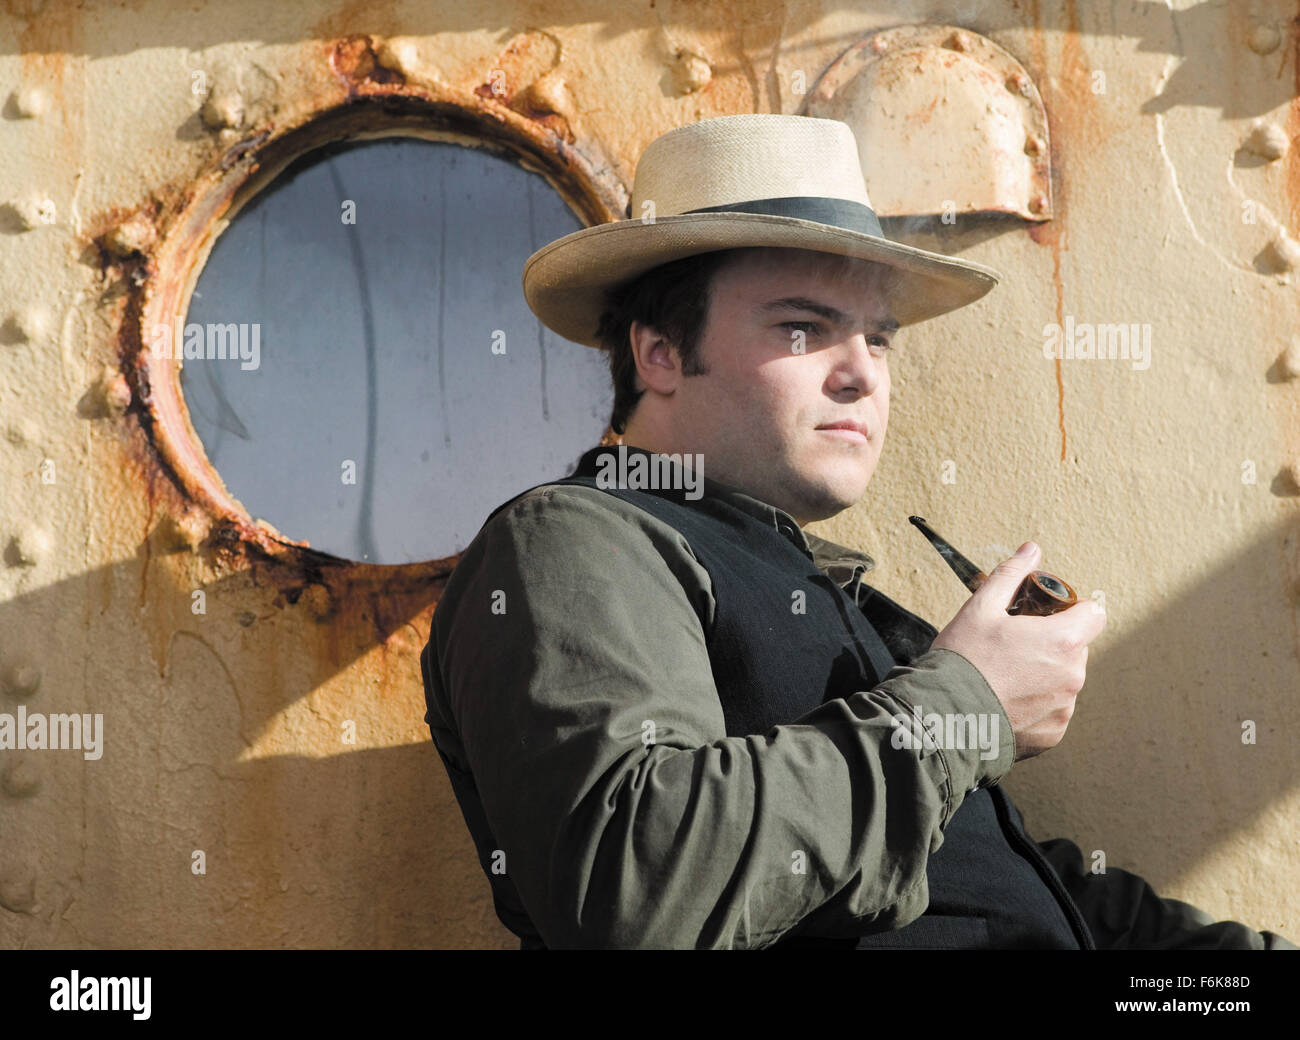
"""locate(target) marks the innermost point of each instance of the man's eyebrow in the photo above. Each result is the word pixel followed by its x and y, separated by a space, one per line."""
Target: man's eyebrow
pixel 804 303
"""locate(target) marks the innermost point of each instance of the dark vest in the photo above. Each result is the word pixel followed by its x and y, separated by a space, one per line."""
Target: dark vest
pixel 990 887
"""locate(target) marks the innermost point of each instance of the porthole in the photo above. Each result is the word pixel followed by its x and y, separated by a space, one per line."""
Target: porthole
pixel 384 385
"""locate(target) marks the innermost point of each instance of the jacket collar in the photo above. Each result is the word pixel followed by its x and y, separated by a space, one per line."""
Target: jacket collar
pixel 904 633
pixel 839 562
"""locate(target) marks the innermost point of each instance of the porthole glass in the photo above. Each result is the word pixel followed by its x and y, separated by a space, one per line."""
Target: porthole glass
pixel 359 361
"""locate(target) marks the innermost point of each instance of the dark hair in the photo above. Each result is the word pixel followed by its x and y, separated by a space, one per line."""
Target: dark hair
pixel 673 299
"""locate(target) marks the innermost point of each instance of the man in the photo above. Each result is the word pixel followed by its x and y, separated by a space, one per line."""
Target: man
pixel 673 718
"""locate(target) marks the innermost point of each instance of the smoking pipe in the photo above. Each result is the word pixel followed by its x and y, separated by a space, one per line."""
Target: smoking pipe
pixel 1039 594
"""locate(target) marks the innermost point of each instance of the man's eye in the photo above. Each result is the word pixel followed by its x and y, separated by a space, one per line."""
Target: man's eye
pixel 882 341
pixel 806 326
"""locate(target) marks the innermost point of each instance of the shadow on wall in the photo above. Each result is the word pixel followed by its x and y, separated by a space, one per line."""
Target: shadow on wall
pixel 356 848
pixel 367 848
pixel 1154 770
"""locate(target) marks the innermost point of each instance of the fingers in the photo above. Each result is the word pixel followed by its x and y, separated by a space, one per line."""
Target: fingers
pixel 1007 576
pixel 1089 616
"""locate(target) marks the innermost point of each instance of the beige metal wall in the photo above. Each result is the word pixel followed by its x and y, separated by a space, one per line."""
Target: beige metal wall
pixel 1172 490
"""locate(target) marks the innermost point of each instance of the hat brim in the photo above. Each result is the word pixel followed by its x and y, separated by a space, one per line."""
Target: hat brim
pixel 566 282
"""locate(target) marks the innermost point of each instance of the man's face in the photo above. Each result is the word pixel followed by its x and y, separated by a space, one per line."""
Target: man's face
pixel 759 415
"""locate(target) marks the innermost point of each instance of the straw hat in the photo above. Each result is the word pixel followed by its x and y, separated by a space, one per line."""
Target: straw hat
pixel 736 181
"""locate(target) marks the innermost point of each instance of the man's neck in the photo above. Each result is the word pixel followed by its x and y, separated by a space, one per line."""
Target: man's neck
pixel 633 438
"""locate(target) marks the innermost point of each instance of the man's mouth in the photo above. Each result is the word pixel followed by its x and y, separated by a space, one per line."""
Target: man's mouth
pixel 848 429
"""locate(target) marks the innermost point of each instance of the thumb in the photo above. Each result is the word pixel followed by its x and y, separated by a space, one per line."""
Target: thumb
pixel 1007 575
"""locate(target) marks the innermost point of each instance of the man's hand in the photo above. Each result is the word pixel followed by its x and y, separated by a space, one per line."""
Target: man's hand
pixel 1035 665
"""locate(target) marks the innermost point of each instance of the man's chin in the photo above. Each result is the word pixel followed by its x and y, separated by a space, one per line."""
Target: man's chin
pixel 846 480
pixel 832 498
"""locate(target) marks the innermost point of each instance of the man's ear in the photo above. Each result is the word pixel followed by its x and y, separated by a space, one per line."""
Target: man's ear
pixel 658 365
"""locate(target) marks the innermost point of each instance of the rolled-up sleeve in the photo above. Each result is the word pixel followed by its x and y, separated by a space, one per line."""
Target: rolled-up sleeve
pixel 575 686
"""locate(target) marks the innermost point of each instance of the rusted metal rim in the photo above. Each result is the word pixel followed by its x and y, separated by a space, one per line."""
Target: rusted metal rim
pixel 165 280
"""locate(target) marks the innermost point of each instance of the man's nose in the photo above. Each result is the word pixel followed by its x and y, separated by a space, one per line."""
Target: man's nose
pixel 856 367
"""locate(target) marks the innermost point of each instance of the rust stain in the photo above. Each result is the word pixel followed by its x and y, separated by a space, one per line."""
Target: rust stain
pixel 378 17
pixel 1292 176
pixel 352 59
pixel 44 43
pixel 357 606
pixel 1060 374
pixel 1083 125
pixel 925 114
pixel 1073 119
pixel 146 551
pixel 1076 93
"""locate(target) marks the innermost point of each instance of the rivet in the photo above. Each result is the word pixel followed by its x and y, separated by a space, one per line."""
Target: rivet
pixel 1264 39
pixel 223 109
pixel 32 545
pixel 113 391
pixel 33 322
pixel 177 533
pixel 958 41
pixel 879 46
pixel 400 54
pixel 1268 140
pixel 131 236
pixel 1018 83
pixel 31 102
pixel 21 681
pixel 547 93
pixel 1038 204
pixel 246 618
pixel 20 778
pixel 1034 145
pixel 24 213
pixel 29 324
pixel 22 432
pixel 18 891
pixel 1285 251
pixel 1289 362
pixel 691 72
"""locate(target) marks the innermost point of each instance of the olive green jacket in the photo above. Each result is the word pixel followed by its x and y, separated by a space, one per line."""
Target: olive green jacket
pixel 571 620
